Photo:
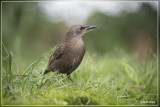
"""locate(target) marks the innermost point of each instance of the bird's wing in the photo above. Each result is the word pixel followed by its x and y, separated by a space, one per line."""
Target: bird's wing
pixel 58 53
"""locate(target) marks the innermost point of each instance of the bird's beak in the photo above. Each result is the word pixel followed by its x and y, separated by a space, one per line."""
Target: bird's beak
pixel 90 27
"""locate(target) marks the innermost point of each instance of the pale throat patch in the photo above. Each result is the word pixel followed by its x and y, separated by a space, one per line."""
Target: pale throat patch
pixel 78 43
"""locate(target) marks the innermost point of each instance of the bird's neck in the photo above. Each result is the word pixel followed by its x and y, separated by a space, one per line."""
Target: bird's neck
pixel 75 43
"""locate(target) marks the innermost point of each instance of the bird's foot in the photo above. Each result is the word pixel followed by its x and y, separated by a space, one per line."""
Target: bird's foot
pixel 69 77
pixel 57 80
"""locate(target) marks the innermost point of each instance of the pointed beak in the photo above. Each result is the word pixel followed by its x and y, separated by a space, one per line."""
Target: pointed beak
pixel 90 27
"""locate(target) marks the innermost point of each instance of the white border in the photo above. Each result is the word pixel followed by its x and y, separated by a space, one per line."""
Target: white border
pixel 93 1
pixel 158 52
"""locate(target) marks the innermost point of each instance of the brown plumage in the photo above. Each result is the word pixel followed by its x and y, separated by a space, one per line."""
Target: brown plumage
pixel 68 56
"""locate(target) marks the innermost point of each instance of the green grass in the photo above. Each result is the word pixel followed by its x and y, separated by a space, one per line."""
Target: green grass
pixel 115 78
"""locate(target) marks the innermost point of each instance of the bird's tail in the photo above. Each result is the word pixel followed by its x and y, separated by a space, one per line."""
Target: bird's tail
pixel 46 71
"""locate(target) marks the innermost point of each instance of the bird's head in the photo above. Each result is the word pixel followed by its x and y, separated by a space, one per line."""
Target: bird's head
pixel 78 30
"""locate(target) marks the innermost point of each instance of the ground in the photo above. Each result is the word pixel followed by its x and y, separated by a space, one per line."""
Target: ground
pixel 113 78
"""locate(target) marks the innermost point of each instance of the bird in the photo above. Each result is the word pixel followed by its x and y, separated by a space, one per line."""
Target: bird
pixel 69 54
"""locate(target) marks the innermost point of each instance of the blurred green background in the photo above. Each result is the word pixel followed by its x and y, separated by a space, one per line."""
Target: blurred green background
pixel 31 28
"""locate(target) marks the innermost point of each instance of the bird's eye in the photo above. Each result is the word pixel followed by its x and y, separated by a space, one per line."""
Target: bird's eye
pixel 82 28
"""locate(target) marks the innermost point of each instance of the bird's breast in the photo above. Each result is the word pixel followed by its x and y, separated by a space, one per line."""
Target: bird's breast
pixel 76 52
pixel 71 58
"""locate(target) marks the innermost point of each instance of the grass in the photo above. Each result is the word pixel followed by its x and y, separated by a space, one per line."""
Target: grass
pixel 114 78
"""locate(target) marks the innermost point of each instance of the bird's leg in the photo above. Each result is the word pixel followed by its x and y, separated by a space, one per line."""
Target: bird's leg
pixel 69 77
pixel 56 74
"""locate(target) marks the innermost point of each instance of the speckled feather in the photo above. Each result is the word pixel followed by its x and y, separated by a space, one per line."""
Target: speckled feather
pixel 67 56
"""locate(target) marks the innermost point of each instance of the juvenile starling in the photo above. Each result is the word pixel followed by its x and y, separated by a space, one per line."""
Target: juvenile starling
pixel 68 56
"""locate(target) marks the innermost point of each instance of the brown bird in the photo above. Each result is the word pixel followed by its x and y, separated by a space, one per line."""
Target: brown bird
pixel 68 56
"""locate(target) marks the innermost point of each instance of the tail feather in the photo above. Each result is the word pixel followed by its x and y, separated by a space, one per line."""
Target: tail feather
pixel 46 71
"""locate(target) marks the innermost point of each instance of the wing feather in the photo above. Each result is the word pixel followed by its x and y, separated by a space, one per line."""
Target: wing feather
pixel 58 53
